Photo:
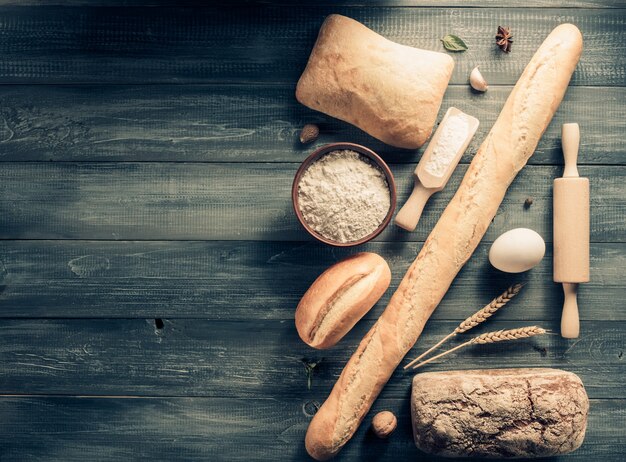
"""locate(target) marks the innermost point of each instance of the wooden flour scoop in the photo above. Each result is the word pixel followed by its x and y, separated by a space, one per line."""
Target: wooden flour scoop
pixel 436 165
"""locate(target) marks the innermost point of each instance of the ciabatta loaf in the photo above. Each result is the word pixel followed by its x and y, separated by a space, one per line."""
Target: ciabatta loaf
pixel 391 91
pixel 340 297
pixel 508 146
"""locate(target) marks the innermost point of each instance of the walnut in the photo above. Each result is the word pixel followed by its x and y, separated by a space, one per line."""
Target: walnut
pixel 384 423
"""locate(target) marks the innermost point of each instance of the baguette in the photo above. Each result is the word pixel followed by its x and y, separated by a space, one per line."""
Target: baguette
pixel 506 149
pixel 340 297
pixel 391 91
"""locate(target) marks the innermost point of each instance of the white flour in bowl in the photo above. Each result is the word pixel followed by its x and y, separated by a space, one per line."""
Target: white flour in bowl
pixel 343 196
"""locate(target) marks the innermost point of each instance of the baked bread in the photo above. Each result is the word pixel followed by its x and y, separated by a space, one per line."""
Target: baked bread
pixel 509 413
pixel 340 297
pixel 508 146
pixel 391 91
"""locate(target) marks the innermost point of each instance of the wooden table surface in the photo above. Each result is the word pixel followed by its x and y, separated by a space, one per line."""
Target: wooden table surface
pixel 150 262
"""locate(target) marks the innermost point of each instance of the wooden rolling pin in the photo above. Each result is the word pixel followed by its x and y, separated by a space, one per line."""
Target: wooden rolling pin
pixel 571 231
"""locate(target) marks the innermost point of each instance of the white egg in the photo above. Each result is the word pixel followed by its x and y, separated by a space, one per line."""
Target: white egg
pixel 517 250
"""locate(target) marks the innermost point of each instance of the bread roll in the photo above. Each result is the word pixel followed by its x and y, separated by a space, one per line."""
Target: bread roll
pixel 340 297
pixel 391 91
pixel 499 413
pixel 508 146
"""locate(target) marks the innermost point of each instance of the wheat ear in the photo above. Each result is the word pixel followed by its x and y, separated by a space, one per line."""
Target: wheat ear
pixel 475 319
pixel 492 337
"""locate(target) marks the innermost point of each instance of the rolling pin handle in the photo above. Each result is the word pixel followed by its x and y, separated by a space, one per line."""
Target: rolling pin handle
pixel 410 213
pixel 570 325
pixel 570 134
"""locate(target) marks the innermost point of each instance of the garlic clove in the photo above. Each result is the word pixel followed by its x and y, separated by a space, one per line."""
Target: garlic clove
pixel 477 81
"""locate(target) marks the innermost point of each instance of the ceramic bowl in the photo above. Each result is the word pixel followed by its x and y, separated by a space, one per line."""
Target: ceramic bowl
pixel 375 158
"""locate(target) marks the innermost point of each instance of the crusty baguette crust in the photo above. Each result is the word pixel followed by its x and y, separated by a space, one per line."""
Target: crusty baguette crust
pixel 391 91
pixel 318 321
pixel 508 146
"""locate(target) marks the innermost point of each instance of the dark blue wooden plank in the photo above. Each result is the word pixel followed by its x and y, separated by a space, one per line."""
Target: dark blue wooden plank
pixel 194 429
pixel 265 43
pixel 262 359
pixel 364 3
pixel 238 280
pixel 251 123
pixel 245 202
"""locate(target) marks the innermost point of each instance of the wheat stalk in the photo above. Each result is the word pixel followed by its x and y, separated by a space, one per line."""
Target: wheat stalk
pixel 492 337
pixel 486 312
pixel 511 334
pixel 480 316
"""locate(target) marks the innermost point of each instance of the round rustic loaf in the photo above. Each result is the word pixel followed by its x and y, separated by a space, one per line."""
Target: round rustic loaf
pixel 499 413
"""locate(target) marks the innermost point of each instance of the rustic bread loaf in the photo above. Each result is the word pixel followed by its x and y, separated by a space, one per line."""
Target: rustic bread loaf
pixel 499 413
pixel 512 140
pixel 391 91
pixel 339 297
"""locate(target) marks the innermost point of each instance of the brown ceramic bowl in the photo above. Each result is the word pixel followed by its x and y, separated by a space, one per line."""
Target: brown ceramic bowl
pixel 375 158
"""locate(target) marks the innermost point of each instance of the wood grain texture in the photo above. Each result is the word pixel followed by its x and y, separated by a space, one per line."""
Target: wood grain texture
pixel 262 359
pixel 258 123
pixel 170 120
pixel 196 429
pixel 362 3
pixel 247 281
pixel 245 202
pixel 271 44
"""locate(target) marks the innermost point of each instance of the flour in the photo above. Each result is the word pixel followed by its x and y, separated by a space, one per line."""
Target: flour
pixel 453 135
pixel 343 196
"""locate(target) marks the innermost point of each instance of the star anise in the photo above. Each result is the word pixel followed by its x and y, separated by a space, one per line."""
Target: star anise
pixel 504 39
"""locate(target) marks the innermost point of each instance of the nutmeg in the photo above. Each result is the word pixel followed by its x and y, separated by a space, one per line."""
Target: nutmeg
pixel 309 133
pixel 384 423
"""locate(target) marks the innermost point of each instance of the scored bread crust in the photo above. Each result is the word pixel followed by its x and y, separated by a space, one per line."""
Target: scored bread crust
pixel 319 311
pixel 547 407
pixel 391 91
pixel 506 149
